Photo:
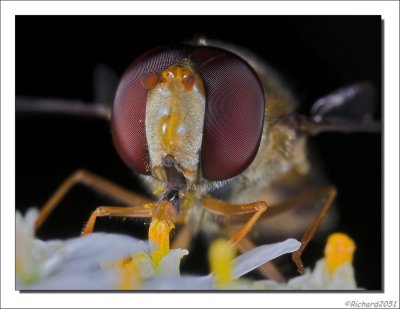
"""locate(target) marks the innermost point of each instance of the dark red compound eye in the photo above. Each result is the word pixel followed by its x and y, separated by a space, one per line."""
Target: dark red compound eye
pixel 129 109
pixel 234 114
pixel 234 109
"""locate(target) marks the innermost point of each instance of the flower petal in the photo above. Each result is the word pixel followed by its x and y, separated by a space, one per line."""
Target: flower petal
pixel 268 284
pixel 180 283
pixel 343 278
pixel 90 252
pixel 319 278
pixel 96 280
pixel 145 265
pixel 169 265
pixel 258 256
pixel 27 265
pixel 30 218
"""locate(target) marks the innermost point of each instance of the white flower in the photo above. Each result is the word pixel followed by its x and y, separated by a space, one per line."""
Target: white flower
pixel 317 279
pixel 242 265
pixel 83 263
pixel 333 272
pixel 27 266
pixel 102 261
pixel 73 264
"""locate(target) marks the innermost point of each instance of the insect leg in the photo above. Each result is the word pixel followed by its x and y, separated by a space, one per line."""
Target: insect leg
pixel 183 238
pixel 142 211
pixel 226 209
pixel 93 181
pixel 223 208
pixel 239 239
pixel 327 193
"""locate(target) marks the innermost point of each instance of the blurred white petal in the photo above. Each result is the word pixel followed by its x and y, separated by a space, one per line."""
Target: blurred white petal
pixel 97 280
pixel 169 265
pixel 90 252
pixel 44 249
pixel 71 264
pixel 268 285
pixel 319 279
pixel 241 266
pixel 147 268
pixel 260 255
pixel 180 283
pixel 27 265
pixel 343 278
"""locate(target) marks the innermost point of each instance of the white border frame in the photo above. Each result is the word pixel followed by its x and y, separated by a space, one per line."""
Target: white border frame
pixel 390 14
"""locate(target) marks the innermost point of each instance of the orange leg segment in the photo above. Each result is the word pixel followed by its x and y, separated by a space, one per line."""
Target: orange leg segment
pixel 93 181
pixel 223 208
pixel 327 194
pixel 143 211
pixel 183 238
pixel 239 239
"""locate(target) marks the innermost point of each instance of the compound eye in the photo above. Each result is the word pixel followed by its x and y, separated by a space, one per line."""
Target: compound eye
pixel 234 114
pixel 234 109
pixel 129 108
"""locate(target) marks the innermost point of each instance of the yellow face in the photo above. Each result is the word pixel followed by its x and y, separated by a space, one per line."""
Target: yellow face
pixel 174 120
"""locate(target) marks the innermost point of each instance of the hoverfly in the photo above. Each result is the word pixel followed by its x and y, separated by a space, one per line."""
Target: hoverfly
pixel 212 130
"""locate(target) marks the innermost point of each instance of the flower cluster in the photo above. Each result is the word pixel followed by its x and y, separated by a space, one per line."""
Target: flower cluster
pixel 102 261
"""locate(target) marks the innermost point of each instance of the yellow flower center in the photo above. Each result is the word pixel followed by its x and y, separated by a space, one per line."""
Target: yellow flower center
pixel 221 255
pixel 339 249
pixel 160 227
pixel 130 276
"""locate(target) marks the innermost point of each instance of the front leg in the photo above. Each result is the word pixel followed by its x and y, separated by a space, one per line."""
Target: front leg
pixel 142 211
pixel 239 239
pixel 93 181
pixel 223 208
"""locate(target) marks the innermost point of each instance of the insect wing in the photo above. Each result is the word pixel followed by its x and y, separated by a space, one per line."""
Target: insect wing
pixel 349 109
pixel 352 104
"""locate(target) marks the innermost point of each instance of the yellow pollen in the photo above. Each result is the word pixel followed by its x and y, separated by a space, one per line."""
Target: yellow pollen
pixel 158 190
pixel 130 272
pixel 339 249
pixel 221 255
pixel 159 230
pixel 187 200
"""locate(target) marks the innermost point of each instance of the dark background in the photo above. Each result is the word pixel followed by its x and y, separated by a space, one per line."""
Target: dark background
pixel 56 57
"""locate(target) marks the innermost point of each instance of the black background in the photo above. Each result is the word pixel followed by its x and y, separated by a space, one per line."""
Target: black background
pixel 56 57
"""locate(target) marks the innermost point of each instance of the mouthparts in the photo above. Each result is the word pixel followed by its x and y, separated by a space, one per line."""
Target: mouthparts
pixel 176 182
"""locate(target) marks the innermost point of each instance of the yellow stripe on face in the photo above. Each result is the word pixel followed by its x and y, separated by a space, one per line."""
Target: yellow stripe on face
pixel 168 129
pixel 173 79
